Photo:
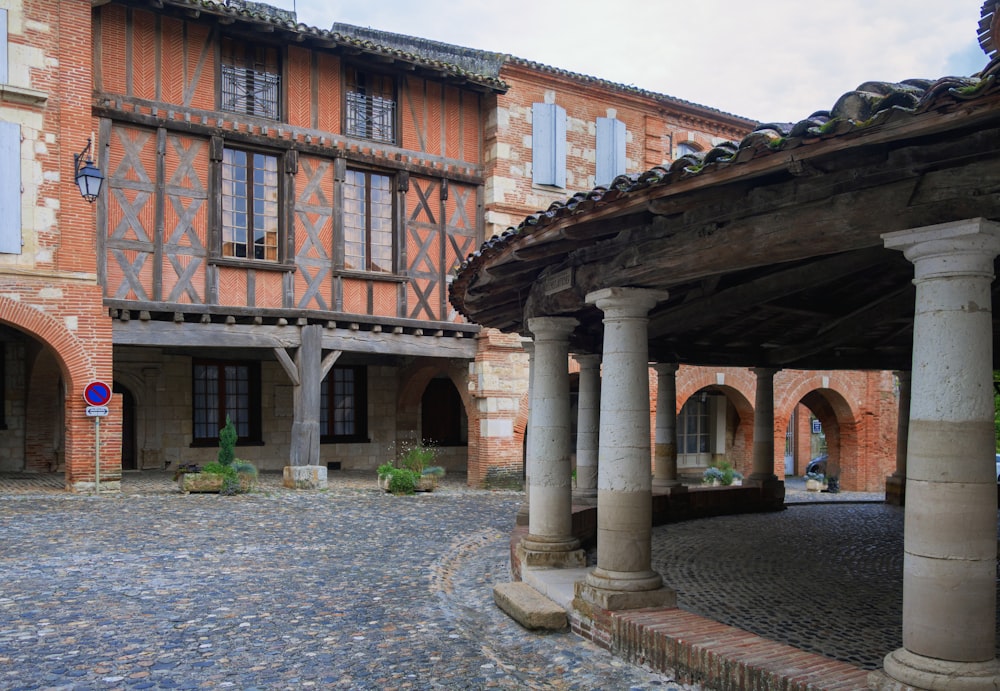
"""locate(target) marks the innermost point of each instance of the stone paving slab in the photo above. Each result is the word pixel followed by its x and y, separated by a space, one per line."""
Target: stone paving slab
pixel 347 588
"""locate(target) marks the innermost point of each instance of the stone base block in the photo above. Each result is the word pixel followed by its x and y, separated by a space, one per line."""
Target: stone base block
pixel 613 600
pixel 895 490
pixel 107 487
pixel 304 477
pixel 563 559
pixel 906 671
pixel 528 607
pixel 585 497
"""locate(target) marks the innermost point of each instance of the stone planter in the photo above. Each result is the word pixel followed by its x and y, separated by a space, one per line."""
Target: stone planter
pixel 201 482
pixel 815 485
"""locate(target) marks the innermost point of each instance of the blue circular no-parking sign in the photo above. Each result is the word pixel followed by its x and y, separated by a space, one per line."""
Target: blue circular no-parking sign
pixel 97 393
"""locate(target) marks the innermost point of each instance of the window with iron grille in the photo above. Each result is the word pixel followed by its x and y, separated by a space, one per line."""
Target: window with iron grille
pixel 368 221
pixel 250 218
pixel 225 388
pixel 370 106
pixel 343 408
pixel 250 80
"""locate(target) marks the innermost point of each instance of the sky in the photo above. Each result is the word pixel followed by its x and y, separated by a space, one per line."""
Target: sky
pixel 769 61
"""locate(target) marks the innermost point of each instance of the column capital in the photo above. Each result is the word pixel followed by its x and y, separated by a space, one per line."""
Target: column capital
pixel 626 302
pixel 663 368
pixel 949 249
pixel 765 371
pixel 587 360
pixel 552 327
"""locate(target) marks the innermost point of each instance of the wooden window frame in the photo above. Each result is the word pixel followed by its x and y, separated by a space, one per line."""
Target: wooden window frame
pixel 253 435
pixel 357 97
pixel 369 264
pixel 359 406
pixel 251 211
pixel 256 86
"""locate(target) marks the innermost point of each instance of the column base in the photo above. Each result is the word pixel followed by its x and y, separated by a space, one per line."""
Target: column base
pixel 553 553
pixel 895 490
pixel 772 490
pixel 522 514
pixel 304 476
pixel 668 487
pixel 618 591
pixel 585 497
pixel 904 671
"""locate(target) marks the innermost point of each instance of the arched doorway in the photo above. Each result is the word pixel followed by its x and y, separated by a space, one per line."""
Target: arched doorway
pixel 130 457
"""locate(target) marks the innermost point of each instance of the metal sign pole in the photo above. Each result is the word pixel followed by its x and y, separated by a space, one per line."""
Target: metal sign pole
pixel 97 456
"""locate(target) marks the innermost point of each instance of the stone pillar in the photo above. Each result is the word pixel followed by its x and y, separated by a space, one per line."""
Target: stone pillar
pixel 665 451
pixel 550 540
pixel 950 539
pixel 524 510
pixel 772 489
pixel 895 484
pixel 304 470
pixel 588 422
pixel 623 578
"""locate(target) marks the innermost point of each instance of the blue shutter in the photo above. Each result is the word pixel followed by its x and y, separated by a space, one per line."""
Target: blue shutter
pixel 3 46
pixel 10 188
pixel 610 150
pixel 548 144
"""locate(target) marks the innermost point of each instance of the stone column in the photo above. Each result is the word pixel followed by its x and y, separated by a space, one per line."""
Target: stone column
pixel 950 537
pixel 665 451
pixel 550 541
pixel 623 578
pixel 895 484
pixel 772 489
pixel 524 510
pixel 588 421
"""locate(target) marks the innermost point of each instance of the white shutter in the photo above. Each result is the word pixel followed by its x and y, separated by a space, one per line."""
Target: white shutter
pixel 3 46
pixel 10 188
pixel 610 150
pixel 548 144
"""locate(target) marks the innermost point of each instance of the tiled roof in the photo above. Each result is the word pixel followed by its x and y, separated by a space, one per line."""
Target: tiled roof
pixel 355 37
pixel 989 27
pixel 626 88
pixel 871 105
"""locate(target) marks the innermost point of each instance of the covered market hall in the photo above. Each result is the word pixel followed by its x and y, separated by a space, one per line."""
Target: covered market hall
pixel 863 237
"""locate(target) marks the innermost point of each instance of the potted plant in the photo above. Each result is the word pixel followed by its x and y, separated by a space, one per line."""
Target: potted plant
pixel 723 474
pixel 411 472
pixel 227 474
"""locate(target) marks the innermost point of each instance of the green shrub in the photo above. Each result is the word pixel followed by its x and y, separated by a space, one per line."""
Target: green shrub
pixel 227 443
pixel 403 481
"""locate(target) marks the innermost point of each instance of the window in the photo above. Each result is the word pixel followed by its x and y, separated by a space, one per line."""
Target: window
pixel 692 427
pixel 442 415
pixel 226 388
pixel 343 407
pixel 367 221
pixel 10 187
pixel 249 205
pixel 370 106
pixel 548 144
pixel 250 79
pixel 610 150
pixel 685 148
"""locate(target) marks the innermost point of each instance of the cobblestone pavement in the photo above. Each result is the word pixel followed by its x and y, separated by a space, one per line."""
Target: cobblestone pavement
pixel 344 588
pixel 826 578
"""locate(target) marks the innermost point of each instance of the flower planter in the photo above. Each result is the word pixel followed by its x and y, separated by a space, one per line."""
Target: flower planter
pixel 815 485
pixel 201 482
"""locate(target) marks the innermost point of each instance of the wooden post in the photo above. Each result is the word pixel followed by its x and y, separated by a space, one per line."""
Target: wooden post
pixel 305 425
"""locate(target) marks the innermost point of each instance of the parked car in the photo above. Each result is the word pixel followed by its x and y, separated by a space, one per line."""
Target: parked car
pixel 818 465
pixel 998 468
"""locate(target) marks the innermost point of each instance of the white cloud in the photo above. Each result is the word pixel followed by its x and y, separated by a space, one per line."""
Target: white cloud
pixel 776 60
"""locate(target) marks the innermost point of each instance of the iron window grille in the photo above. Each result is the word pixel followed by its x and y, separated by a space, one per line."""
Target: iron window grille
pixel 370 107
pixel 251 91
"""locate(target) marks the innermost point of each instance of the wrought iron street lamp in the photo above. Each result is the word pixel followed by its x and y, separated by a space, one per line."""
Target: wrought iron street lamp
pixel 88 178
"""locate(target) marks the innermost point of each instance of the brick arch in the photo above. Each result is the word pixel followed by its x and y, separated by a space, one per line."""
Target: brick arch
pixel 414 381
pixel 77 364
pixel 832 407
pixel 739 442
